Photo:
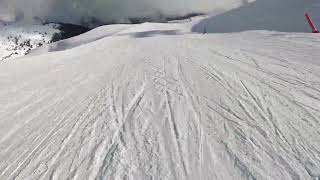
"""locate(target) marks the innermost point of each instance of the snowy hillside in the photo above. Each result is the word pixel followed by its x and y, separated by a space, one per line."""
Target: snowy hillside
pixel 163 101
pixel 18 39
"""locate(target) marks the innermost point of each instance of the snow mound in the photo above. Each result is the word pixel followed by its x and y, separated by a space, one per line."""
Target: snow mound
pixel 86 38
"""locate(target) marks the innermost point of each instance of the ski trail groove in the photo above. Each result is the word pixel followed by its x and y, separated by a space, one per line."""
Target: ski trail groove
pixel 191 104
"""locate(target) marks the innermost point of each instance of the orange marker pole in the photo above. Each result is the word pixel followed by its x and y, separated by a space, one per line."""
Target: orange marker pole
pixel 314 29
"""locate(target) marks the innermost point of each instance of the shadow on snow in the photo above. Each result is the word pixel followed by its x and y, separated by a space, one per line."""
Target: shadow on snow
pixel 273 15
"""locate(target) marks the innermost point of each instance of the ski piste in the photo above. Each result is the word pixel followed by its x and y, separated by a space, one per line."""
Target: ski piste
pixel 165 101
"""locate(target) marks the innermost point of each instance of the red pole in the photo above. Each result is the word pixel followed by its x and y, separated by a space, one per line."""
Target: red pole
pixel 314 29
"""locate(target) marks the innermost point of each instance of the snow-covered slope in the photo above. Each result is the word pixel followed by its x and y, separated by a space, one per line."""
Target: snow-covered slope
pixel 158 101
pixel 18 39
pixel 154 101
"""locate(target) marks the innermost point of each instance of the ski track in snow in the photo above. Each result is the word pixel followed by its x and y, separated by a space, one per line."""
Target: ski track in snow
pixel 185 106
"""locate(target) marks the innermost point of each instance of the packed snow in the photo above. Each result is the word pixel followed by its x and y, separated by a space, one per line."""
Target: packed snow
pixel 163 101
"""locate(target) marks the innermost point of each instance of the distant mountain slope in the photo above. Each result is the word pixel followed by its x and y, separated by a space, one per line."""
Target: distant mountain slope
pixel 18 39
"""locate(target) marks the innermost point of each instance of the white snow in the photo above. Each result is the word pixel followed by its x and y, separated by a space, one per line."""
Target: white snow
pixel 158 101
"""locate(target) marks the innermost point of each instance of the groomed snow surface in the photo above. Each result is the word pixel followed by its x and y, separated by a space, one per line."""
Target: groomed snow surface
pixel 158 101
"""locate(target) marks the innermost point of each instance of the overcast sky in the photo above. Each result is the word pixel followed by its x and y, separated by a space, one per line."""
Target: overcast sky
pixel 73 11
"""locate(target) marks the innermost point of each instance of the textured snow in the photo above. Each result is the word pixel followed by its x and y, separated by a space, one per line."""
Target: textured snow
pixel 158 101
